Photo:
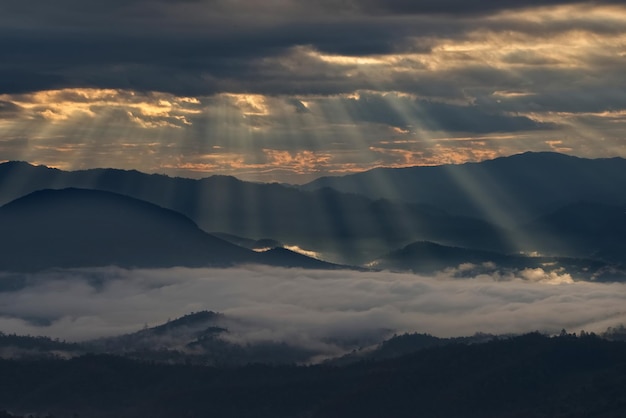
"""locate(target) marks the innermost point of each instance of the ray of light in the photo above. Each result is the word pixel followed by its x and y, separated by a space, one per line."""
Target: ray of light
pixel 80 128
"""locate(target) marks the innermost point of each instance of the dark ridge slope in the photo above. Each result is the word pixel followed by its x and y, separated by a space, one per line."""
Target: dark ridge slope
pixel 79 228
pixel 515 188
pixel 82 228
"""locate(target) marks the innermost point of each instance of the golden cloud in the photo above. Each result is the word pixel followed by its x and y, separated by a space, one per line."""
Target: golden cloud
pixel 153 110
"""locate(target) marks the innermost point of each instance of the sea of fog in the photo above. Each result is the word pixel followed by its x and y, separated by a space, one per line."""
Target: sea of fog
pixel 306 307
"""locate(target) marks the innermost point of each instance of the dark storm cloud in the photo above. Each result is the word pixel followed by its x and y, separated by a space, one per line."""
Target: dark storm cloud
pixel 459 7
pixel 203 47
pixel 14 79
pixel 472 118
pixel 225 48
pixel 432 116
pixel 152 62
pixel 574 101
pixel 563 90
pixel 241 87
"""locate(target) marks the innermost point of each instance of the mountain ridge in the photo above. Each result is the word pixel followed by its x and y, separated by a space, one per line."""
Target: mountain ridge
pixel 342 225
pixel 73 227
pixel 480 205
pixel 424 257
pixel 504 190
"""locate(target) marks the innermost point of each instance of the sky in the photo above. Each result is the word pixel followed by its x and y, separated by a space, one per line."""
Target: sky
pixel 309 308
pixel 288 90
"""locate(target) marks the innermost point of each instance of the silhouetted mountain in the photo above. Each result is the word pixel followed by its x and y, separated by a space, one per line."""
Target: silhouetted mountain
pixel 18 178
pixel 352 227
pixel 274 250
pixel 287 258
pixel 196 339
pixel 26 347
pixel 401 345
pixel 428 257
pixel 252 244
pixel 505 191
pixel 80 228
pixel 582 229
pixel 174 334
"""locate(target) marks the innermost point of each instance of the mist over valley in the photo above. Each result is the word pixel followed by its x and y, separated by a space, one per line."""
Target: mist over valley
pixel 224 274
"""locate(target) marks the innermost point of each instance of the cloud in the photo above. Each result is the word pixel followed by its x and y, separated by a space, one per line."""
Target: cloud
pixel 9 109
pixel 456 7
pixel 280 138
pixel 207 47
pixel 306 307
pixel 406 112
pixel 333 78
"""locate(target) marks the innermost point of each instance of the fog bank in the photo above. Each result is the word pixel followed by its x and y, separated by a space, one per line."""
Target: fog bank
pixel 306 307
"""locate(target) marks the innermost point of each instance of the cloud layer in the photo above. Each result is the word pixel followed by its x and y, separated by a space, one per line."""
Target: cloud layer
pixel 308 308
pixel 276 89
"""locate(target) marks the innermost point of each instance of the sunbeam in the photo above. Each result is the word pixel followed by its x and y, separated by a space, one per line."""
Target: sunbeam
pixel 426 89
pixel 426 196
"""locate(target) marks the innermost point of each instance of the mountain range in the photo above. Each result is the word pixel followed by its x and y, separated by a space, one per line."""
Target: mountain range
pixel 428 258
pixel 506 191
pixel 545 204
pixel 345 228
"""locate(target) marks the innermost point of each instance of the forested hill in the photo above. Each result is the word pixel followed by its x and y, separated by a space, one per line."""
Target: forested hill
pixel 526 376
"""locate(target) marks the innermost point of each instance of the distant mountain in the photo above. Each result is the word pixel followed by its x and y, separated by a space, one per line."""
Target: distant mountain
pixel 252 244
pixel 287 258
pixel 428 257
pixel 582 229
pixel 14 346
pixel 459 206
pixel 405 344
pixel 506 191
pixel 173 335
pixel 81 228
pixel 346 228
pixel 196 338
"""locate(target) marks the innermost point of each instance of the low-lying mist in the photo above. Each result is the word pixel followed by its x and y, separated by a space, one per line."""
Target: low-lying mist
pixel 317 309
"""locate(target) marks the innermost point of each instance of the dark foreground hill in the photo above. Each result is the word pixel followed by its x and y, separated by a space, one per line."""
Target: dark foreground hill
pixel 83 228
pixel 526 376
